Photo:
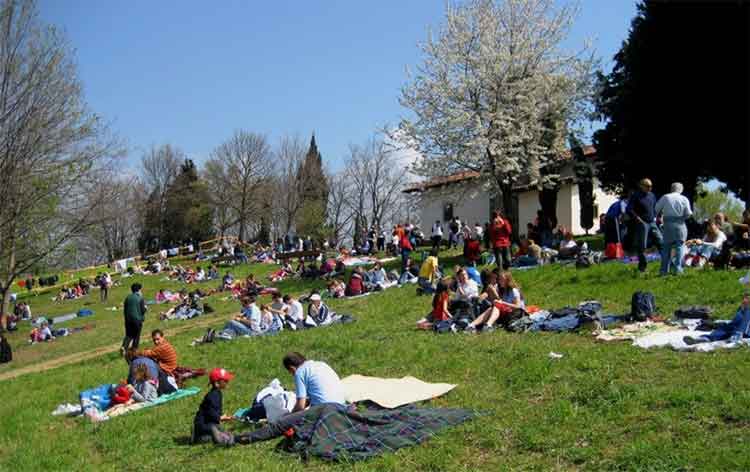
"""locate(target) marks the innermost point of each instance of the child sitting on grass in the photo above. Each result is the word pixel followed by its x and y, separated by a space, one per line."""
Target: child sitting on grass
pixel 144 389
pixel 440 312
pixel 209 415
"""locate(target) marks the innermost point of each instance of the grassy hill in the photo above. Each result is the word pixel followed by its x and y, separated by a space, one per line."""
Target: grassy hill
pixel 602 406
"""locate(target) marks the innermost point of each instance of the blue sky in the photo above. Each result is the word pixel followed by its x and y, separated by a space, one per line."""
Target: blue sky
pixel 189 73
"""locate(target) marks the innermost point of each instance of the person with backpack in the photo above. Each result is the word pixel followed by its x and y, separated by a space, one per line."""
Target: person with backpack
pixel 675 211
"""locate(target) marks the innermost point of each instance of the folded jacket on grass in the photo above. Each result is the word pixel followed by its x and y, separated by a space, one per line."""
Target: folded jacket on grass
pixel 391 393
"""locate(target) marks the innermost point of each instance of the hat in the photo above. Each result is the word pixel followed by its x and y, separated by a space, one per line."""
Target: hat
pixel 220 374
pixel 314 297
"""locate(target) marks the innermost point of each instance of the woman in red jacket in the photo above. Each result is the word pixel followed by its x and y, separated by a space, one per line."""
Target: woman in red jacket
pixel 500 233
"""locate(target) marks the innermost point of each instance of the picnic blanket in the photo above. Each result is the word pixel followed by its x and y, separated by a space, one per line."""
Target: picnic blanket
pixel 123 409
pixel 337 433
pixel 391 393
pixel 649 334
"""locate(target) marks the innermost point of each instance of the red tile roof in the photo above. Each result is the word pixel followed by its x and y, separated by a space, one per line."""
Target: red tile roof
pixel 463 176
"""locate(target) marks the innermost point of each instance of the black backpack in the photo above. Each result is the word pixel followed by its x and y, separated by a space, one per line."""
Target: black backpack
pixel 6 354
pixel 642 305
pixel 694 312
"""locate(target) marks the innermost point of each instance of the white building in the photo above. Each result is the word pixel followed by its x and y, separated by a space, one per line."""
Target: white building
pixel 465 195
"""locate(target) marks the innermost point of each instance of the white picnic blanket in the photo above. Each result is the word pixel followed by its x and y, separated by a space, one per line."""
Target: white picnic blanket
pixel 391 393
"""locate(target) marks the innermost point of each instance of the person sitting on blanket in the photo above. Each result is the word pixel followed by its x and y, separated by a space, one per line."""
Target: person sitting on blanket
pixel 318 311
pixel 316 385
pixel 162 353
pixel 568 247
pixel 702 250
pixel 440 311
pixel 206 424
pixel 376 279
pixel 336 288
pixel 356 285
pixel 510 299
pixel 735 330
pixel 466 290
pixel 490 291
pixel 144 387
pixel 247 323
pixel 227 282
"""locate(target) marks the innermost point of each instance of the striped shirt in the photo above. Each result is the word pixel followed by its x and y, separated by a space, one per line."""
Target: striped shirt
pixel 163 354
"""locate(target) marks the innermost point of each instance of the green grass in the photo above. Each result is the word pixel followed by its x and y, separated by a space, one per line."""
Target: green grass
pixel 600 407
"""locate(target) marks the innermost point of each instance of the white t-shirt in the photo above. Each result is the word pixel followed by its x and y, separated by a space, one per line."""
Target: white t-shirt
pixel 470 290
pixel 295 312
pixel 720 238
pixel 437 229
pixel 568 244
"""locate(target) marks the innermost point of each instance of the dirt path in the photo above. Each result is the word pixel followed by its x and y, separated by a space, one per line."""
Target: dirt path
pixel 86 355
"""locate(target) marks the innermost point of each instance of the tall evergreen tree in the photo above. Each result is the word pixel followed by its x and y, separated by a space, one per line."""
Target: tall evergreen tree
pixel 313 190
pixel 188 215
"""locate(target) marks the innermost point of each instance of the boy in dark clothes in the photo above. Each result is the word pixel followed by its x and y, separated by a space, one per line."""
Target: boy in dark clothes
pixel 209 416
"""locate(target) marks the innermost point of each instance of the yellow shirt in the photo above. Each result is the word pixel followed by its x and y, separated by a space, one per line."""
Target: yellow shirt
pixel 429 266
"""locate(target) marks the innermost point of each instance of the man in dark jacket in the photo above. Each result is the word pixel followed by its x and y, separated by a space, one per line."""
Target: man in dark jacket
pixel 135 313
pixel 642 210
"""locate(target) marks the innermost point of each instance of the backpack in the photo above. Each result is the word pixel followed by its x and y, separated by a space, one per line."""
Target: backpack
pixel 441 327
pixel 694 312
pixel 6 354
pixel 642 305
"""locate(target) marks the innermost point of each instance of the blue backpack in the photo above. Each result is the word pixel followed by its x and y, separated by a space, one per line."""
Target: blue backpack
pixel 642 305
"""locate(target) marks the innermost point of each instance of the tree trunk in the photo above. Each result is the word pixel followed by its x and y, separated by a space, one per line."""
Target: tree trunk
pixel 5 293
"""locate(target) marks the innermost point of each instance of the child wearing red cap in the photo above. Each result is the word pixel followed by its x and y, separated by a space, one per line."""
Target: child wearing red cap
pixel 209 416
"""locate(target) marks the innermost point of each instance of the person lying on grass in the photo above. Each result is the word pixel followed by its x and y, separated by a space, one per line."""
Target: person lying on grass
pixel 317 385
pixel 440 311
pixel 206 424
pixel 510 299
pixel 735 330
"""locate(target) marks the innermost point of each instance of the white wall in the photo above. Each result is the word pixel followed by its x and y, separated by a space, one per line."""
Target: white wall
pixel 471 203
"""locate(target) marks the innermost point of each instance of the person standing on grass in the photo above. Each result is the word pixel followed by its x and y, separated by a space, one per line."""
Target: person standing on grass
pixel 135 314
pixel 500 232
pixel 675 211
pixel 437 234
pixel 105 281
pixel 642 209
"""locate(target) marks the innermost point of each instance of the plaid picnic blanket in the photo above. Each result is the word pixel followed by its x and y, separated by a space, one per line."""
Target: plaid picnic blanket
pixel 338 433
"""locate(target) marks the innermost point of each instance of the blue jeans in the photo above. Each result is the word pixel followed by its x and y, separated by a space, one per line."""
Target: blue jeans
pixel 644 231
pixel 237 327
pixel 704 250
pixel 405 253
pixel 666 256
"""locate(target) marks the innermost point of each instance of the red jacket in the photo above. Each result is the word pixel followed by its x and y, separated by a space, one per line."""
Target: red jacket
pixel 405 243
pixel 472 250
pixel 500 234
pixel 356 286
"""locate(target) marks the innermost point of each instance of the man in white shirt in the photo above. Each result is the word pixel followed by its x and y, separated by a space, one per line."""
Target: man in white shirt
pixel 437 234
pixel 675 210
pixel 466 288
pixel 294 313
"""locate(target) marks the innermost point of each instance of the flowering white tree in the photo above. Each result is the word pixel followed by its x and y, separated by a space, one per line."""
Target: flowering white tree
pixel 496 93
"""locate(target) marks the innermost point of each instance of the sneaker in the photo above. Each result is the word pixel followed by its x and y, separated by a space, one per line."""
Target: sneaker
pixel 690 340
pixel 470 330
pixel 488 329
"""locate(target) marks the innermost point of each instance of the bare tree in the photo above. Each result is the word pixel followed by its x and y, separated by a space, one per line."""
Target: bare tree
pixel 246 158
pixel 117 219
pixel 339 214
pixel 52 148
pixel 215 173
pixel 160 166
pixel 289 157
